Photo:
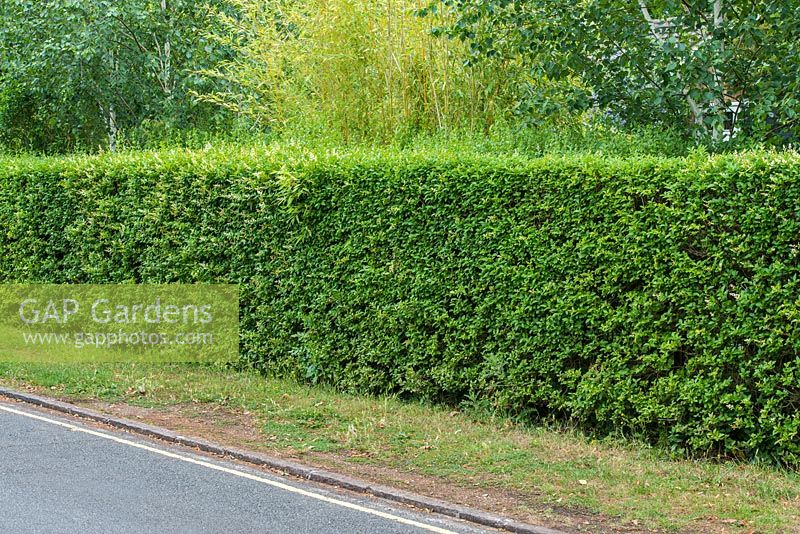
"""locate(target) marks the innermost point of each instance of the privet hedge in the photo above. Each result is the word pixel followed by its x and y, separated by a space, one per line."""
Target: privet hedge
pixel 656 297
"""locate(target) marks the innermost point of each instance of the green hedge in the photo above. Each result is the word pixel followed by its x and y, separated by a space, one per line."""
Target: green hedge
pixel 658 297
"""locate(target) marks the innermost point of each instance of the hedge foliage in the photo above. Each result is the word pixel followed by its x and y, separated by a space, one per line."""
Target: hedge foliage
pixel 658 297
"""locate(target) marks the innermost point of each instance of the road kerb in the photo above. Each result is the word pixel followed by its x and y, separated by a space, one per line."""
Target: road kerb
pixel 295 469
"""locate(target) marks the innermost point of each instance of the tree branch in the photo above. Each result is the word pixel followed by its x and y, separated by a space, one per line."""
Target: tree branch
pixel 132 34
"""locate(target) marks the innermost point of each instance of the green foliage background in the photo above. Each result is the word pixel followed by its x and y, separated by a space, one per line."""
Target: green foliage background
pixel 699 67
pixel 652 296
pixel 355 71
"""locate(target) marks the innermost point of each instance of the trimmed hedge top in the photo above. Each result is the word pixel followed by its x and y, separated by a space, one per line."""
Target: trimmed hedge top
pixel 653 296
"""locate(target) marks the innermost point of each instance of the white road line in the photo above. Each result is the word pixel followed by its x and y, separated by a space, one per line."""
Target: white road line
pixel 235 472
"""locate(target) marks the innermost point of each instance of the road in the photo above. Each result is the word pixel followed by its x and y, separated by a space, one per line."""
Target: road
pixel 59 475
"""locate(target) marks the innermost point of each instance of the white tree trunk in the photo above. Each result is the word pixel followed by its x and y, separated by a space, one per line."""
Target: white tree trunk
pixel 111 127
pixel 166 55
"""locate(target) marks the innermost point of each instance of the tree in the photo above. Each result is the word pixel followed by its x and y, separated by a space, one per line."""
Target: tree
pixel 710 64
pixel 93 67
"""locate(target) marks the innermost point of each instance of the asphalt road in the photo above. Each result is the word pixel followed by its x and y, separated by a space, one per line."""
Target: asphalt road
pixel 58 475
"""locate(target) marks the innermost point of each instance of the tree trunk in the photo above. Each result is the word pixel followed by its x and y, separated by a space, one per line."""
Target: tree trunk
pixel 166 54
pixel 111 124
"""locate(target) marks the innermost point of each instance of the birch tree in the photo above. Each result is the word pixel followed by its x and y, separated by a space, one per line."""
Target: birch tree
pixel 100 66
pixel 707 66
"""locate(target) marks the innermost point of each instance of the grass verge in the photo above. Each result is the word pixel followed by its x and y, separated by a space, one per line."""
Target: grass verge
pixel 556 477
